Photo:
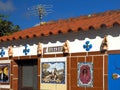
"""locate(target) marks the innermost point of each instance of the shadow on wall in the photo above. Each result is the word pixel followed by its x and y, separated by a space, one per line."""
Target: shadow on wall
pixel 71 36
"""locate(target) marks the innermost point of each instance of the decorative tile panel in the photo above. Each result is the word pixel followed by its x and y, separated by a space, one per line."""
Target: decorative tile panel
pixel 85 74
pixel 26 50
pixel 87 46
pixel 2 52
pixel 4 73
pixel 53 71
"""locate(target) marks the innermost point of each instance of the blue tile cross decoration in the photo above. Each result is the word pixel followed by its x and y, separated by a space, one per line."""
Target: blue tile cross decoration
pixel 26 50
pixel 87 46
pixel 2 52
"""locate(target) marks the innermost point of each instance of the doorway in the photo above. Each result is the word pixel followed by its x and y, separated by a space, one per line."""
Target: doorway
pixel 114 72
pixel 28 73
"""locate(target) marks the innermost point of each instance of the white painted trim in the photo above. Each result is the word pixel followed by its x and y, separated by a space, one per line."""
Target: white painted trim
pixel 5 61
pixel 103 74
pixel 53 59
pixel 5 86
pixel 76 46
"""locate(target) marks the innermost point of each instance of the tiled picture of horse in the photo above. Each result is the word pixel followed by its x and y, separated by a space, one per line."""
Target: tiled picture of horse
pixel 53 72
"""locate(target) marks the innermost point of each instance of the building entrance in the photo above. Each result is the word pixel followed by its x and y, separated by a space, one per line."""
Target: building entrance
pixel 114 72
pixel 28 73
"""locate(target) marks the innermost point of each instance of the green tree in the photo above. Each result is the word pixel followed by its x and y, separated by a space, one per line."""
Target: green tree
pixel 7 27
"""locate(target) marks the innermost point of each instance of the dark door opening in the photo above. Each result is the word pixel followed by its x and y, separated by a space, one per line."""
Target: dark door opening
pixel 28 73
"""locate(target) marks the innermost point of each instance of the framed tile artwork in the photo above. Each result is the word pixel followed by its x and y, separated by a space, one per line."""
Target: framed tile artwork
pixel 53 72
pixel 85 74
pixel 4 73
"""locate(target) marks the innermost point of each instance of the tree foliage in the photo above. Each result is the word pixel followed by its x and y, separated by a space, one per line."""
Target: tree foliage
pixel 7 27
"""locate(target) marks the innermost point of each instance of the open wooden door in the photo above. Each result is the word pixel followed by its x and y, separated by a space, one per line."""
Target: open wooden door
pixel 28 75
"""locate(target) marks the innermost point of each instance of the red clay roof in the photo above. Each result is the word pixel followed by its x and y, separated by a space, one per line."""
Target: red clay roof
pixel 94 21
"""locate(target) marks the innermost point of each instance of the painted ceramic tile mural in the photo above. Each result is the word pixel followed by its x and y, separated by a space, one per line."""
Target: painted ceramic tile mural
pixel 53 72
pixel 4 73
pixel 85 74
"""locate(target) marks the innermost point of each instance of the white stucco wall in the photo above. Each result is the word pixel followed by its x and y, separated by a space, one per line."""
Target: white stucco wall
pixel 77 40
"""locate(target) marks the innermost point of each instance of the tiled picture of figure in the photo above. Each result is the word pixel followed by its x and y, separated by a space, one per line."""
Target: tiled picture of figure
pixel 53 72
pixel 85 74
pixel 4 73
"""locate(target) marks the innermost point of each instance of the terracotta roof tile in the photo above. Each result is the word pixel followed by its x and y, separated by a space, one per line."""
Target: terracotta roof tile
pixel 93 21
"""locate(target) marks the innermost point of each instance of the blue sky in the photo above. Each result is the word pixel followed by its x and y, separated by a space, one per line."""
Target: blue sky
pixel 61 9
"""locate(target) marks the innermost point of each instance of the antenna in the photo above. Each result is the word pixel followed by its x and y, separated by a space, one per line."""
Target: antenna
pixel 40 11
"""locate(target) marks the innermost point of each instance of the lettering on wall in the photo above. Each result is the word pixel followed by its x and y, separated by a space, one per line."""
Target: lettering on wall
pixel 53 49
